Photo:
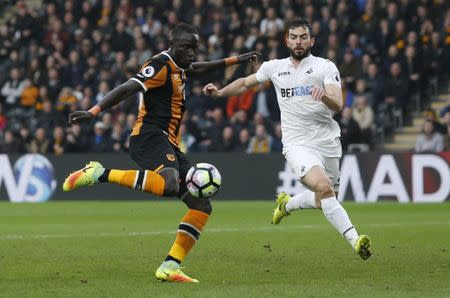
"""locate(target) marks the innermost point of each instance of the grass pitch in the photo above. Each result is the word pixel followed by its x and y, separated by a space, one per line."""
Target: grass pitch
pixel 111 249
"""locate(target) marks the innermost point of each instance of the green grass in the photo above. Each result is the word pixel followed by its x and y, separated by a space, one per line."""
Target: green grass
pixel 105 249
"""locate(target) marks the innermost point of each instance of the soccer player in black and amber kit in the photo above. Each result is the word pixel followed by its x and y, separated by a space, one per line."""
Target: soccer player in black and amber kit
pixel 154 141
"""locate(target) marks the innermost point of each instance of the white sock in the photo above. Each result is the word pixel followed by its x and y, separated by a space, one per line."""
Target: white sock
pixel 338 217
pixel 303 200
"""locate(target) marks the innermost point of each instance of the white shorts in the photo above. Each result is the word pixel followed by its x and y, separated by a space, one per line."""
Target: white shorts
pixel 301 159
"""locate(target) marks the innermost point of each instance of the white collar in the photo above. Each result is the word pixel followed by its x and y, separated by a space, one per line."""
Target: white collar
pixel 304 60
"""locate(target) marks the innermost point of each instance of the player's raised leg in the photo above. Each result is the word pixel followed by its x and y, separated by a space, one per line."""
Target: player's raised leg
pixel 162 183
pixel 317 180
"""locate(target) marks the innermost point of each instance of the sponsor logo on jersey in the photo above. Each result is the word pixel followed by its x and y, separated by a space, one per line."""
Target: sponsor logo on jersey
pixel 284 73
pixel 296 91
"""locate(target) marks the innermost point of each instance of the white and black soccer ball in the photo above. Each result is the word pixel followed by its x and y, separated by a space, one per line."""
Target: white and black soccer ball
pixel 203 180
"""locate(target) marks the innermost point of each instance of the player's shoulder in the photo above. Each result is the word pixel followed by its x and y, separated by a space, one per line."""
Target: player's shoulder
pixel 156 61
pixel 154 65
pixel 323 62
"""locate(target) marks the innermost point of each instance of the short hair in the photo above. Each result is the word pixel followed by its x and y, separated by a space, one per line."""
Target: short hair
pixel 298 22
pixel 180 29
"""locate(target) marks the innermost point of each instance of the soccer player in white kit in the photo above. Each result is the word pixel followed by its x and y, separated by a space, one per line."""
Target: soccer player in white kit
pixel 308 92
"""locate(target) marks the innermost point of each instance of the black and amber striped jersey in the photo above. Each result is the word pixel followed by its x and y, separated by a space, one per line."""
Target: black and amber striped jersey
pixel 161 105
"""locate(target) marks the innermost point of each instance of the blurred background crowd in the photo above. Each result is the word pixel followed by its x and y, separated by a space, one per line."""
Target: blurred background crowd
pixel 65 55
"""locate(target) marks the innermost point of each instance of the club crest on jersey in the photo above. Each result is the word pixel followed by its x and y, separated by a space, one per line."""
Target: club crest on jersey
pixel 148 71
pixel 170 157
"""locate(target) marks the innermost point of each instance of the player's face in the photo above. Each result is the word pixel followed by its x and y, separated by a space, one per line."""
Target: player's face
pixel 185 50
pixel 299 42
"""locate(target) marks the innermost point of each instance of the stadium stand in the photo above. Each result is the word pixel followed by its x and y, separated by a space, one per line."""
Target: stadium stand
pixel 59 56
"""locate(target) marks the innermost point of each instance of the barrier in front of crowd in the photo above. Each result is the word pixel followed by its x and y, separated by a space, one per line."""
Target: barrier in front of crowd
pixel 365 177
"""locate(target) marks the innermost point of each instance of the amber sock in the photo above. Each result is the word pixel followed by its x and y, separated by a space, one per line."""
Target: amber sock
pixel 143 180
pixel 189 231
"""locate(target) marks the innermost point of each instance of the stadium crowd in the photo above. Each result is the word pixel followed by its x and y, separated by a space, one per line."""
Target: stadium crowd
pixel 66 55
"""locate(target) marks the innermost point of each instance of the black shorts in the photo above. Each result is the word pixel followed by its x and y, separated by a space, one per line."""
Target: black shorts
pixel 153 151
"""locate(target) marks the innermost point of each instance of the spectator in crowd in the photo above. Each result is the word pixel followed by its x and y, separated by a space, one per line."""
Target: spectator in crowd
pixel 9 144
pixel 271 24
pixel 227 143
pixel 12 89
pixel 76 141
pixel 117 138
pixel 58 143
pixel 197 103
pixel 364 117
pixel 361 90
pixel 350 132
pixel 24 139
pixel 261 142
pixel 40 143
pixel 244 140
pixel 374 83
pixel 431 115
pixel 100 142
pixel 429 140
pixel 277 145
pixel 48 117
pixel 349 69
pixel 396 92
pixel 413 65
pixel 240 121
pixel 214 131
pixel 69 54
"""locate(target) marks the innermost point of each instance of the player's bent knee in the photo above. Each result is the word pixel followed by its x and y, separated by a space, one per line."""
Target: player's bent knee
pixel 203 205
pixel 325 189
pixel 172 181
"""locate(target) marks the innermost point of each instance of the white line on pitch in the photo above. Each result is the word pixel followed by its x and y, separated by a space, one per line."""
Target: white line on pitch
pixel 210 230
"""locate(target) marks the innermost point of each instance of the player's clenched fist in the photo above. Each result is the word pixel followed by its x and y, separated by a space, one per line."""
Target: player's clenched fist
pixel 78 116
pixel 210 90
pixel 317 93
pixel 251 57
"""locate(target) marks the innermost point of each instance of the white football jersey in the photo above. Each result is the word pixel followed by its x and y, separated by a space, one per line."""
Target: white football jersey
pixel 304 121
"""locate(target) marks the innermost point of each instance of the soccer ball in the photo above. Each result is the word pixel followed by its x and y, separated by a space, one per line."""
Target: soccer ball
pixel 203 180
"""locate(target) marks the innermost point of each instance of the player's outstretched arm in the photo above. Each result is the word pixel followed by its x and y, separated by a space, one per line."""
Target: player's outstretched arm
pixel 235 88
pixel 111 99
pixel 198 68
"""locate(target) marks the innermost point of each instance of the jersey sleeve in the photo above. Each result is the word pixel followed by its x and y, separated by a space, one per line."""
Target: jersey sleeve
pixel 153 74
pixel 263 73
pixel 331 74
